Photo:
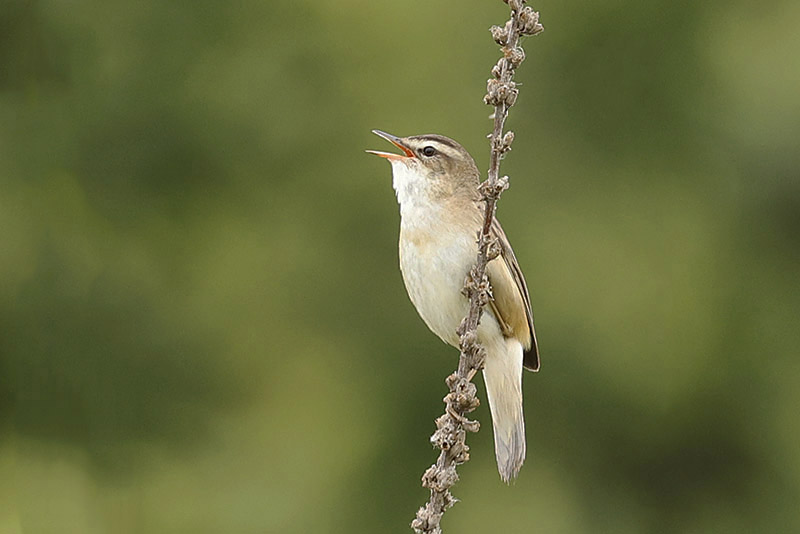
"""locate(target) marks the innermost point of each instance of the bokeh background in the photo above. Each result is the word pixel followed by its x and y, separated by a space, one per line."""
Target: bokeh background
pixel 203 327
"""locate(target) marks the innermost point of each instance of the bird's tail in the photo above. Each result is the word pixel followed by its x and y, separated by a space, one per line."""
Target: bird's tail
pixel 503 376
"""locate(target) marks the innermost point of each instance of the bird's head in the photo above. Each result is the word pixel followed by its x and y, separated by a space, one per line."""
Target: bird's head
pixel 431 165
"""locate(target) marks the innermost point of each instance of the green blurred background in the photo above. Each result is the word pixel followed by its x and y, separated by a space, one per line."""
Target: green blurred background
pixel 203 326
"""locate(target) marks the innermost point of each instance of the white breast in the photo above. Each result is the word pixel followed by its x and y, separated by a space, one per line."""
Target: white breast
pixel 435 257
pixel 434 271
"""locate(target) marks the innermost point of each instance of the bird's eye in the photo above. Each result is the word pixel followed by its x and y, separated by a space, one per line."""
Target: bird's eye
pixel 428 151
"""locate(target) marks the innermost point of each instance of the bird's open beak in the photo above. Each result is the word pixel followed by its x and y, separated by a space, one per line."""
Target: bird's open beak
pixel 396 141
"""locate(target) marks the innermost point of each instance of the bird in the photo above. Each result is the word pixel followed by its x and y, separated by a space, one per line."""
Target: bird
pixel 441 212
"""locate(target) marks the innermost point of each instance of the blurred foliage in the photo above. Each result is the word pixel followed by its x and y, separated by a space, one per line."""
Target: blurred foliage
pixel 204 328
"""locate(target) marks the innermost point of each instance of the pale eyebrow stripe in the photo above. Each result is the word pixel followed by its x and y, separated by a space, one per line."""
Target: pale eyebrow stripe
pixel 437 139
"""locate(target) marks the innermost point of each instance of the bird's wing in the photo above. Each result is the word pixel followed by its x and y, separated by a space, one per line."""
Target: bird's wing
pixel 512 304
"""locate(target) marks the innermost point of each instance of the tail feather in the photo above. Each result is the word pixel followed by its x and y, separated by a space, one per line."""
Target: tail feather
pixel 503 376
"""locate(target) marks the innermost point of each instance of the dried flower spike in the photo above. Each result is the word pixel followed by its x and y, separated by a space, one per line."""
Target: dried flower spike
pixel 453 425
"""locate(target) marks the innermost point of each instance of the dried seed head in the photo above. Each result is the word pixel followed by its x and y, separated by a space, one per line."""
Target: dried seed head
pixel 511 94
pixel 438 478
pixel 493 251
pixel 508 138
pixel 484 297
pixel 497 71
pixel 502 183
pixel 463 454
pixel 447 478
pixel 498 92
pixel 529 20
pixel 508 92
pixel 516 56
pixel 477 360
pixel 500 35
pixel 492 92
pixel 468 340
